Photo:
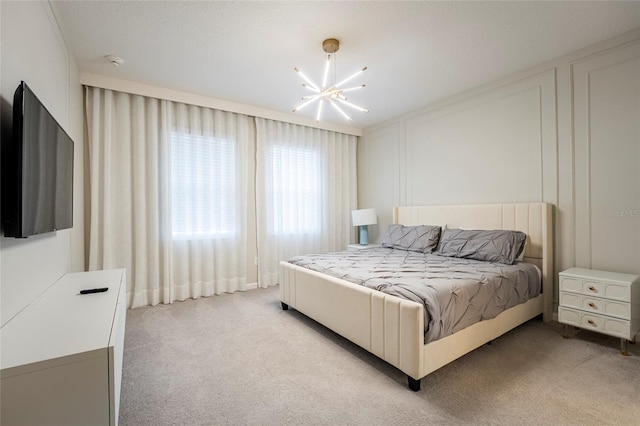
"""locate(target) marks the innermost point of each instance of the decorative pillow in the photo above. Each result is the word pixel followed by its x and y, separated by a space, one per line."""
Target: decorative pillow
pixel 422 238
pixel 520 257
pixel 499 246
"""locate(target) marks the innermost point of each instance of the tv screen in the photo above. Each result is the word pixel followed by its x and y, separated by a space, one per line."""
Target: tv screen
pixel 37 171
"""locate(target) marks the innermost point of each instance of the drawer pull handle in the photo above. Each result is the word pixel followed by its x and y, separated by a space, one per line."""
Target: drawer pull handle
pixel 592 288
pixel 592 305
pixel 591 322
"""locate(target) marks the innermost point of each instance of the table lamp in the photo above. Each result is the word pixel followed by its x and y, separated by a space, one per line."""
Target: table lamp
pixel 362 218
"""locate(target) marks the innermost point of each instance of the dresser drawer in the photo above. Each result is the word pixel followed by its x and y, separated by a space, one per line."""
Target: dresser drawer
pixel 569 316
pixel 600 323
pixel 571 300
pixel 596 305
pixel 617 292
pixel 591 321
pixel 619 328
pixel 617 309
pixel 570 284
pixel 595 288
pixel 592 304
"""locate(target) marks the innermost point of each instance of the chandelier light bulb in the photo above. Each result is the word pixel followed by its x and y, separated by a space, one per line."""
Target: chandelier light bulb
pixel 326 71
pixel 319 110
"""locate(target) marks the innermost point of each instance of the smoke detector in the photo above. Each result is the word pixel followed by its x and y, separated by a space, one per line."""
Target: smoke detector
pixel 116 61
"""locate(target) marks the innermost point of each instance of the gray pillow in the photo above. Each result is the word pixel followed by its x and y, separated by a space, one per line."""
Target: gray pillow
pixel 422 238
pixel 492 246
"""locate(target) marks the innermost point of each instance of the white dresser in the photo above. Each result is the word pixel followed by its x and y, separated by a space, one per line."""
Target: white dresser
pixel 606 302
pixel 61 360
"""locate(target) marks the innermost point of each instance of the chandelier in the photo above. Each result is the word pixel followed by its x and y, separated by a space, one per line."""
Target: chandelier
pixel 330 92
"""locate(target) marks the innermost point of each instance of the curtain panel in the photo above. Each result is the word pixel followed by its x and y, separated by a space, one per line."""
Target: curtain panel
pixel 306 187
pixel 153 165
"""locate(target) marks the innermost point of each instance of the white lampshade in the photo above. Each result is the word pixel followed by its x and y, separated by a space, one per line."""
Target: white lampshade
pixel 364 217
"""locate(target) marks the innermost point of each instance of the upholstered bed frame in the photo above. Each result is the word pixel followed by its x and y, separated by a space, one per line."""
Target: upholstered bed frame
pixel 393 328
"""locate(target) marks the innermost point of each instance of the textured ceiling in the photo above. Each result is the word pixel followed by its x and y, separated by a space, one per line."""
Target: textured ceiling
pixel 416 52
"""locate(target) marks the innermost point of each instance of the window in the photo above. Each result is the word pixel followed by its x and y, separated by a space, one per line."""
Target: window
pixel 294 175
pixel 203 187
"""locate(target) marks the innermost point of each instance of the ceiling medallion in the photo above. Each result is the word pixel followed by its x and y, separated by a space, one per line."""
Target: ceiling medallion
pixel 330 92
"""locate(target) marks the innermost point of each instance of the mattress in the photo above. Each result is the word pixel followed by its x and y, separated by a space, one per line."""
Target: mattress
pixel 456 293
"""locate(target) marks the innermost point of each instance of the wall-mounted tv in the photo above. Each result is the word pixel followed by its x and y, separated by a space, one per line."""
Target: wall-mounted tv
pixel 37 170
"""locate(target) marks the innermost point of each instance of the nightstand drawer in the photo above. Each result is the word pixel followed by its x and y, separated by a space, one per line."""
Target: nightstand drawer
pixel 596 305
pixel 571 284
pixel 617 292
pixel 595 288
pixel 617 309
pixel 618 328
pixel 594 322
pixel 570 300
pixel 606 290
pixel 600 323
pixel 569 316
pixel 591 304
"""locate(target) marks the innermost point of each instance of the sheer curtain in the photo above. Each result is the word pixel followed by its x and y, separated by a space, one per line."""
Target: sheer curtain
pixel 305 191
pixel 167 190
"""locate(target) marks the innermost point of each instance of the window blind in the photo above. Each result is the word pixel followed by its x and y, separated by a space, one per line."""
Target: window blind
pixel 203 187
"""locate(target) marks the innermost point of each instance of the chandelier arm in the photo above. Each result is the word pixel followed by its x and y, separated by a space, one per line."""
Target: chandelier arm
pixel 311 84
pixel 349 104
pixel 333 104
pixel 304 104
pixel 313 89
pixel 362 86
pixel 354 75
pixel 317 95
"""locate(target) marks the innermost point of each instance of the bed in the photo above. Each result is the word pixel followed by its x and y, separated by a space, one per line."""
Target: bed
pixel 392 328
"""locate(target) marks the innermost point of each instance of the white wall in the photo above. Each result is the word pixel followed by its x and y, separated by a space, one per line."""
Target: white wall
pixel 566 132
pixel 33 50
pixel 607 159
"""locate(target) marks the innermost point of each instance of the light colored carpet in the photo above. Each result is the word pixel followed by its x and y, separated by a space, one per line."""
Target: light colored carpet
pixel 239 359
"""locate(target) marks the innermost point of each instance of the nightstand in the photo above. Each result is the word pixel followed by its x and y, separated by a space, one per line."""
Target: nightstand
pixel 356 247
pixel 605 302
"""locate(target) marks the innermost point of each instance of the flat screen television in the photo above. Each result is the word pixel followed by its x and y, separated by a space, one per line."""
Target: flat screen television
pixel 37 170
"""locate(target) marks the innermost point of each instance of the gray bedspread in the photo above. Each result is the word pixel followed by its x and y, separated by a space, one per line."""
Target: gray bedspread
pixel 456 292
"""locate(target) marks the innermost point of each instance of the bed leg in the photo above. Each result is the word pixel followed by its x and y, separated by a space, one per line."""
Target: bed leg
pixel 285 307
pixel 414 384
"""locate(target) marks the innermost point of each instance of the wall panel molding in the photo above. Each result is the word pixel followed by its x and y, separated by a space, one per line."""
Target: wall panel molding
pixel 539 88
pixel 606 186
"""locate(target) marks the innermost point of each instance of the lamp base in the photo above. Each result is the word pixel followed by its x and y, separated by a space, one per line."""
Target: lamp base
pixel 364 235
